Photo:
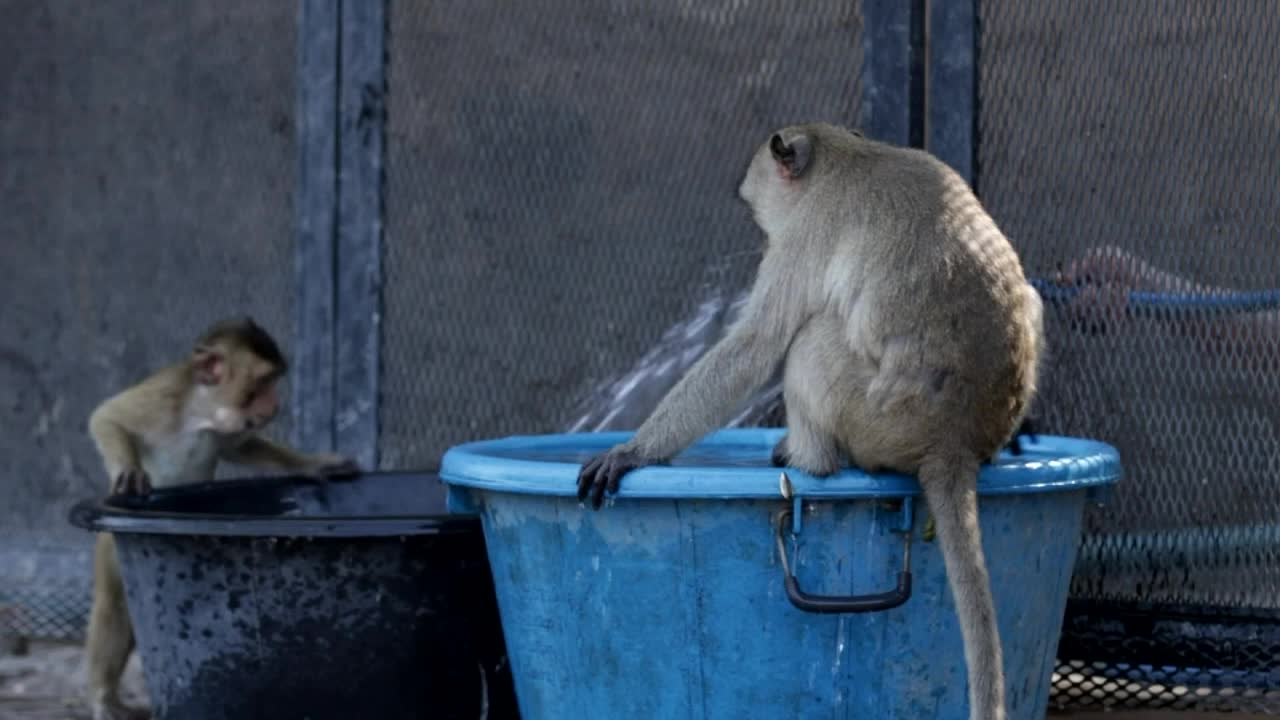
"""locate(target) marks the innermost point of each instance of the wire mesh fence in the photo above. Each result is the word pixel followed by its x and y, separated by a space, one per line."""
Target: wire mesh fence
pixel 1142 656
pixel 559 176
pixel 44 592
pixel 1129 147
pixel 146 183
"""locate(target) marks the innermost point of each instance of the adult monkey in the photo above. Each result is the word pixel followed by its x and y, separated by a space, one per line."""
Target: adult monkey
pixel 910 338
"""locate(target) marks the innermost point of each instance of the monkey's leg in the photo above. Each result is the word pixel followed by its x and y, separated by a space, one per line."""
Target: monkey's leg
pixel 110 636
pixel 807 448
pixel 810 443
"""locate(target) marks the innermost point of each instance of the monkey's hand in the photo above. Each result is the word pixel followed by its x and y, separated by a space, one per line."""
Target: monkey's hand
pixel 133 481
pixel 327 465
pixel 605 472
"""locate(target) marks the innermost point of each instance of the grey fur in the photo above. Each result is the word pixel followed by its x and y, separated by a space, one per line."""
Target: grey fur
pixel 910 339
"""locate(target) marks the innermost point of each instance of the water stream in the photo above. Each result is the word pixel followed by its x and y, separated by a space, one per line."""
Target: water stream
pixel 623 402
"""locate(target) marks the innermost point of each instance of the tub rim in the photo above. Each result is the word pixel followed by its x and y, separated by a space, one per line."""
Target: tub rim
pixel 1049 463
pixel 107 514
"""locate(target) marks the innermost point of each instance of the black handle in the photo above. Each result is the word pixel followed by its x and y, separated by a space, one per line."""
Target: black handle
pixel 844 603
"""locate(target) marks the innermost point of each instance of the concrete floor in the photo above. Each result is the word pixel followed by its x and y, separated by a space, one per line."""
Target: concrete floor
pixel 46 684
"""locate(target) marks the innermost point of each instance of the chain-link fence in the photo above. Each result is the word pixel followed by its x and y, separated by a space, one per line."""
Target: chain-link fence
pixel 146 183
pixel 1130 146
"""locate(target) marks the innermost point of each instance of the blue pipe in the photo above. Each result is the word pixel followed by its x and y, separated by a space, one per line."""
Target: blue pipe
pixel 1238 301
pixel 1213 546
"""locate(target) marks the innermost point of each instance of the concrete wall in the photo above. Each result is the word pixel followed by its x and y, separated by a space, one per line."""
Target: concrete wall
pixel 146 180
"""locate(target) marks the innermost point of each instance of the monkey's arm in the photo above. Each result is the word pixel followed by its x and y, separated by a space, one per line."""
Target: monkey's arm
pixel 259 452
pixel 708 394
pixel 712 389
pixel 720 381
pixel 117 428
pixel 115 444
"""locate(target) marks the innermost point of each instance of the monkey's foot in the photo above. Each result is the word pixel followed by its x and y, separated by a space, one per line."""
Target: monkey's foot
pixel 132 482
pixel 604 472
pixel 779 455
pixel 1027 429
pixel 817 461
pixel 114 709
pixel 1015 446
pixel 818 470
pixel 804 447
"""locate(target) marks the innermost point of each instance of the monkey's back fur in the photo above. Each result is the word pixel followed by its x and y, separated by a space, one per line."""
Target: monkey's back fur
pixel 923 297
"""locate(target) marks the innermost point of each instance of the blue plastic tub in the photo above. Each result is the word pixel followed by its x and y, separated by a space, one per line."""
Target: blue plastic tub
pixel 671 602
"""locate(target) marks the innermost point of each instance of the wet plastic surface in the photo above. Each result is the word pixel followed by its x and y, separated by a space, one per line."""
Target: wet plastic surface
pixel 281 598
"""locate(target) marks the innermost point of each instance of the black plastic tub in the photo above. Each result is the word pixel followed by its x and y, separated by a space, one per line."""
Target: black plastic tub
pixel 281 598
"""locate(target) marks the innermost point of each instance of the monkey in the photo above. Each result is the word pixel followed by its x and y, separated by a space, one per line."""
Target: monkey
pixel 173 428
pixel 907 333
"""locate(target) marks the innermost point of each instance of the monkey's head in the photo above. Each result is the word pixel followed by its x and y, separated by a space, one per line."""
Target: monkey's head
pixel 787 166
pixel 235 367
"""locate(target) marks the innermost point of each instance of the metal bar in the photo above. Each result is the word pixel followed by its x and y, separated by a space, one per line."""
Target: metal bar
pixel 951 83
pixel 887 70
pixel 361 124
pixel 311 396
pixel 917 49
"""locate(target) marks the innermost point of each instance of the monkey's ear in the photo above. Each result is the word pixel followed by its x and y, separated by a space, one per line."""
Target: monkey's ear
pixel 210 366
pixel 792 157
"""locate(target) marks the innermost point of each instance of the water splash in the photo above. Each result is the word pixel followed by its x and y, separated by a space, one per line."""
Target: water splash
pixel 623 402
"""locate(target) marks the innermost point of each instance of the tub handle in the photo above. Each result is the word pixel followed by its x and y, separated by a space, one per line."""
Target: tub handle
pixel 872 602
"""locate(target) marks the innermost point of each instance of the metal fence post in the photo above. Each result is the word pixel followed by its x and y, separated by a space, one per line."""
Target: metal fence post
pixel 316 205
pixel 951 83
pixel 361 125
pixel 919 76
pixel 890 70
pixel 338 254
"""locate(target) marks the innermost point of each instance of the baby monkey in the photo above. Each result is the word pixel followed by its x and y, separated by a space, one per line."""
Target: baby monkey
pixel 172 429
pixel 908 337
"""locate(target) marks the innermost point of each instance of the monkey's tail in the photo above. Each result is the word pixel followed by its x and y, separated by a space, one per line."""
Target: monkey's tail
pixel 950 488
